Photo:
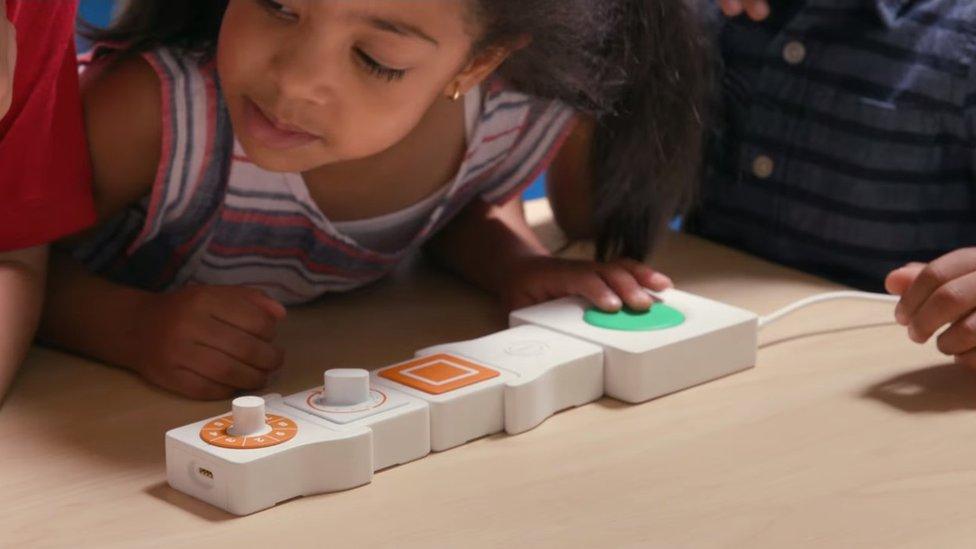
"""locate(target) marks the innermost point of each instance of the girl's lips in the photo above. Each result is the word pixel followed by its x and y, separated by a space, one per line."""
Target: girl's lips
pixel 271 134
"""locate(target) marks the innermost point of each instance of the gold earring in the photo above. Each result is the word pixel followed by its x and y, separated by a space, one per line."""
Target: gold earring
pixel 457 92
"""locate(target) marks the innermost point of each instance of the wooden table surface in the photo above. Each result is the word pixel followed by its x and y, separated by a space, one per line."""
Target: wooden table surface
pixel 845 434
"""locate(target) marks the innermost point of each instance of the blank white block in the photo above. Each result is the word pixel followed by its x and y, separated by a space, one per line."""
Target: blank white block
pixel 549 371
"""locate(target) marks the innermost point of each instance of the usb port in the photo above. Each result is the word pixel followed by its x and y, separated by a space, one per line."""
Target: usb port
pixel 205 472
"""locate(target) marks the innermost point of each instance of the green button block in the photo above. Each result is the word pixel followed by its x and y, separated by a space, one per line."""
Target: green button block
pixel 659 317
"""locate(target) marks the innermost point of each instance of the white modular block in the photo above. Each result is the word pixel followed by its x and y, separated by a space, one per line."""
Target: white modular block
pixel 399 422
pixel 242 475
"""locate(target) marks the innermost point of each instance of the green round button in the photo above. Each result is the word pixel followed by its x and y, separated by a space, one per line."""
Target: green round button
pixel 659 317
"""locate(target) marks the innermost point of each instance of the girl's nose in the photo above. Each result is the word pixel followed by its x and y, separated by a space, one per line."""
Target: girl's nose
pixel 305 74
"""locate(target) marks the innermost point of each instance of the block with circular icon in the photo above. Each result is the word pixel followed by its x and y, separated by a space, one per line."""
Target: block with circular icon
pixel 465 397
pixel 547 371
pixel 682 341
pixel 400 423
pixel 263 453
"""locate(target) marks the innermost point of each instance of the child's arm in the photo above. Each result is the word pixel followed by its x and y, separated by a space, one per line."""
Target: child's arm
pixel 569 184
pixel 941 294
pixel 493 247
pixel 204 342
pixel 21 293
pixel 201 341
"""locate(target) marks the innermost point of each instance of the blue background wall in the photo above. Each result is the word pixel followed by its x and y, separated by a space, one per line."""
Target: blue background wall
pixel 95 12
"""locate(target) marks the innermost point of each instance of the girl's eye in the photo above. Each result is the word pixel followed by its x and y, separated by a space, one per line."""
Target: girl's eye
pixel 378 69
pixel 278 9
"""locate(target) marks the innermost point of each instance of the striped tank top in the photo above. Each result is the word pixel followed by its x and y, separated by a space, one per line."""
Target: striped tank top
pixel 213 217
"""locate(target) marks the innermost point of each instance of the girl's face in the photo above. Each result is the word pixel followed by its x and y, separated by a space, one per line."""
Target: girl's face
pixel 313 82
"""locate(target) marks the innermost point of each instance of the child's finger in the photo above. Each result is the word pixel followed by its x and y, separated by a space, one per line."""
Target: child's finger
pixel 960 337
pixel 261 299
pixel 967 359
pixel 592 287
pixel 626 287
pixel 518 302
pixel 246 315
pixel 189 383
pixel 646 276
pixel 935 275
pixel 945 305
pixel 898 281
pixel 243 346
pixel 225 369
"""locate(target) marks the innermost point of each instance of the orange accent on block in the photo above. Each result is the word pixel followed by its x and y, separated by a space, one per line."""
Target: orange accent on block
pixel 215 433
pixel 438 374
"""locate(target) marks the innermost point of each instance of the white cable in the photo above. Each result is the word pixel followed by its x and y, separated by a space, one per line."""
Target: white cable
pixel 832 296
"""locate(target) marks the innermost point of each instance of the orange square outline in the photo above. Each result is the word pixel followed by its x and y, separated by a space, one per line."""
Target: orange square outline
pixel 405 374
pixel 414 372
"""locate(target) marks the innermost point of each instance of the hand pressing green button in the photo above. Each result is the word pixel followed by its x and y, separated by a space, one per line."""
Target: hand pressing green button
pixel 659 317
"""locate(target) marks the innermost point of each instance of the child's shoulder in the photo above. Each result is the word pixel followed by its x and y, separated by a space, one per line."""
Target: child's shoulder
pixel 136 104
pixel 504 109
pixel 498 92
pixel 122 101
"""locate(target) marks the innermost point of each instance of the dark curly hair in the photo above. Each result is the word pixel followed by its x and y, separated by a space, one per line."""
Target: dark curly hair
pixel 640 68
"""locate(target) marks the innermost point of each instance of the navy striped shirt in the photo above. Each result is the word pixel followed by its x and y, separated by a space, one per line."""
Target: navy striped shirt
pixel 846 144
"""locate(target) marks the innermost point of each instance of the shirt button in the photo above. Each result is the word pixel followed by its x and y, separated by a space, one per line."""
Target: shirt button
pixel 794 52
pixel 762 167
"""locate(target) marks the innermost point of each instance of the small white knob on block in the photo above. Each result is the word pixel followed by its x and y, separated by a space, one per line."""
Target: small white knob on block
pixel 346 387
pixel 249 418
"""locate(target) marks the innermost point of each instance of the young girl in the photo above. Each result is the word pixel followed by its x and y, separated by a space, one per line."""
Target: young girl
pixel 250 153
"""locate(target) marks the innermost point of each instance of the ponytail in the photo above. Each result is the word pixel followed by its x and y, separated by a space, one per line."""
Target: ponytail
pixel 641 69
pixel 647 148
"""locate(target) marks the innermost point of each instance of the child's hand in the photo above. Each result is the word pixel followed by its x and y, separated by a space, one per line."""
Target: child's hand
pixel 936 294
pixel 757 10
pixel 8 59
pixel 609 286
pixel 209 342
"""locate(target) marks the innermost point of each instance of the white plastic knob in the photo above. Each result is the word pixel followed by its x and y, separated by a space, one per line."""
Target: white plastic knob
pixel 249 418
pixel 346 387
